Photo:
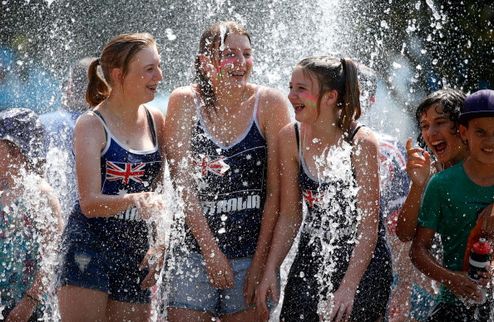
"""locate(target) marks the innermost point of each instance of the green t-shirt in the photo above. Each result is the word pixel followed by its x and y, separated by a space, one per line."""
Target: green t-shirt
pixel 450 206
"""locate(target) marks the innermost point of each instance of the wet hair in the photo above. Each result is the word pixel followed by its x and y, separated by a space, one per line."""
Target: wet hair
pixel 118 53
pixel 368 86
pixel 209 45
pixel 448 100
pixel 23 132
pixel 340 75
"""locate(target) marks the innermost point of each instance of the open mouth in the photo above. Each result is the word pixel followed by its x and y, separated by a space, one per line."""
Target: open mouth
pixel 488 150
pixel 237 74
pixel 152 88
pixel 439 146
pixel 298 107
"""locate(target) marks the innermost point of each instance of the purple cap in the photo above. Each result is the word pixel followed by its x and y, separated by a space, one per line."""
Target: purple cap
pixel 478 104
pixel 22 127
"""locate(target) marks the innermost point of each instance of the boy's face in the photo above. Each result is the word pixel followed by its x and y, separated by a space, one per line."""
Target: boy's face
pixel 440 134
pixel 480 137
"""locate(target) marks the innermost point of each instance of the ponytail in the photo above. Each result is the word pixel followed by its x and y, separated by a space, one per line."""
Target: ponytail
pixel 350 97
pixel 340 75
pixel 118 53
pixel 97 88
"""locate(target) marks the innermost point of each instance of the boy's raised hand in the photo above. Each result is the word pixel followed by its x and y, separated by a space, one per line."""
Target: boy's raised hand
pixel 418 164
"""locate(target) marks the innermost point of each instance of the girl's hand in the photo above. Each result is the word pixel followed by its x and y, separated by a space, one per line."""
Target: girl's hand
pixel 340 305
pixel 153 260
pixel 252 280
pixel 268 286
pixel 418 164
pixel 219 270
pixel 148 203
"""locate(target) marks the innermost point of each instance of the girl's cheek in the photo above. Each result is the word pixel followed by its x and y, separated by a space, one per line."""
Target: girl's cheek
pixel 225 63
pixel 310 100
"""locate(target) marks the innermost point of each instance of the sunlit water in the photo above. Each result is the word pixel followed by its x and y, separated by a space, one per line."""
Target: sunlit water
pixel 283 32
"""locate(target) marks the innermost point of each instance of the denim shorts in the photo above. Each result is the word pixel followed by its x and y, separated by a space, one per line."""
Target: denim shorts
pixel 189 286
pixel 114 273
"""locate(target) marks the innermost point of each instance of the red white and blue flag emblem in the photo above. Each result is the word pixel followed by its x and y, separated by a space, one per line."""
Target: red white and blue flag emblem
pixel 311 198
pixel 217 166
pixel 124 172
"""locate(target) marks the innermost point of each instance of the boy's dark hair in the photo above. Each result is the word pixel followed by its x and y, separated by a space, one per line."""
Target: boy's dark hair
pixel 450 101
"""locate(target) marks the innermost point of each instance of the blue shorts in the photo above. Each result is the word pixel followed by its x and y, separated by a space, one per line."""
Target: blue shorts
pixel 113 272
pixel 190 287
pixel 421 303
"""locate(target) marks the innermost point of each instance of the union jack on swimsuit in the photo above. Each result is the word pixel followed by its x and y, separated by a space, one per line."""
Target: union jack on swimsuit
pixel 126 172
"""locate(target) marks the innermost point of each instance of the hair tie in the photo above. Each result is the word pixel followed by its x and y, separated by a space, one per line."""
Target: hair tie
pixel 342 61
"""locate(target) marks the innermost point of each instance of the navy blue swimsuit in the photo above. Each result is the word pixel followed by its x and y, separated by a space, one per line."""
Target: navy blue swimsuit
pixel 231 181
pixel 302 289
pixel 106 250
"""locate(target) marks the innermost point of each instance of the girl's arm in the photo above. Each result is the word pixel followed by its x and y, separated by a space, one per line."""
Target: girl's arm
pixel 366 168
pixel 180 121
pixel 289 219
pixel 89 141
pixel 418 169
pixel 271 103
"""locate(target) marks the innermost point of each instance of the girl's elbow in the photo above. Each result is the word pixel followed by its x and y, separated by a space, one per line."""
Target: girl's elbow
pixel 87 207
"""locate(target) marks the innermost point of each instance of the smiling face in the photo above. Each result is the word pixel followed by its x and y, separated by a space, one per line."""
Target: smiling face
pixel 235 61
pixel 144 75
pixel 480 137
pixel 304 95
pixel 440 135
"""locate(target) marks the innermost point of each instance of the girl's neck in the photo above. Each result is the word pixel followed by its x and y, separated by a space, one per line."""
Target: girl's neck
pixel 480 173
pixel 322 134
pixel 231 98
pixel 120 108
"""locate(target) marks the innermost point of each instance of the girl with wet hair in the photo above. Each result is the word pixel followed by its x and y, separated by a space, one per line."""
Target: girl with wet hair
pixel 220 139
pixel 118 150
pixel 342 267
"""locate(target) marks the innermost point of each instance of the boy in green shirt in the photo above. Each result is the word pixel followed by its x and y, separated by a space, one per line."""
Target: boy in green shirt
pixel 451 206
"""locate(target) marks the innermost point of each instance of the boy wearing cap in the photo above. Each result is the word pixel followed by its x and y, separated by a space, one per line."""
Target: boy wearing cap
pixel 451 205
pixel 29 217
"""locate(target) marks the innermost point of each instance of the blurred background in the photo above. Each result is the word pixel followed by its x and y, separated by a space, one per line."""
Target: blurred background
pixel 415 47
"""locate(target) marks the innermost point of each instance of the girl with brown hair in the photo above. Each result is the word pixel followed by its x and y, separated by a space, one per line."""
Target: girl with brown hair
pixel 105 275
pixel 220 139
pixel 342 268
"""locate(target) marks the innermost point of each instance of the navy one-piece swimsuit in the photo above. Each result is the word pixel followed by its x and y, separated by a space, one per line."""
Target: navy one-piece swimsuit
pixel 232 186
pixel 104 253
pixel 302 290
